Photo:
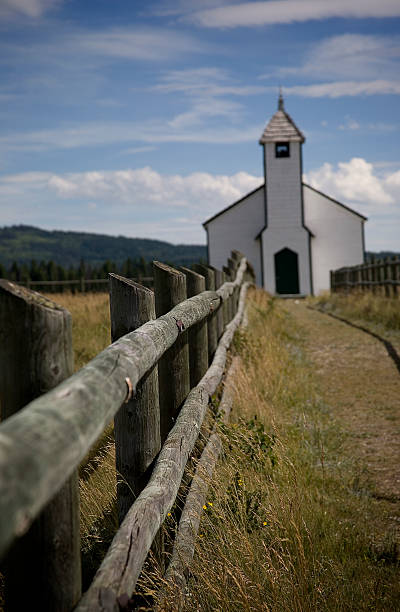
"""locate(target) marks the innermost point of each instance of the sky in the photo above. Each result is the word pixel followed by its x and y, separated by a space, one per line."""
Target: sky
pixel 142 119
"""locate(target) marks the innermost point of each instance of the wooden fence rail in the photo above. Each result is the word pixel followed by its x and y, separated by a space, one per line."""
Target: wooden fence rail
pixel 377 275
pixel 42 445
pixel 81 284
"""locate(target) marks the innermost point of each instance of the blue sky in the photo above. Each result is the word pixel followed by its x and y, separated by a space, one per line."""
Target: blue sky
pixel 143 118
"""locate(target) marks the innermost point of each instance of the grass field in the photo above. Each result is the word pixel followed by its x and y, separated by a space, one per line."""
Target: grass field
pixel 377 310
pixel 90 323
pixel 90 335
pixel 290 524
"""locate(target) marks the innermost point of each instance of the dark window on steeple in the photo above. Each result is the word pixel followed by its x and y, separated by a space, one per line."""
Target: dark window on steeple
pixel 282 149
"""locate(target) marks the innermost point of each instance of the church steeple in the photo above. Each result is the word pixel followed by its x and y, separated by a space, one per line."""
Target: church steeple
pixel 285 240
pixel 281 127
pixel 280 101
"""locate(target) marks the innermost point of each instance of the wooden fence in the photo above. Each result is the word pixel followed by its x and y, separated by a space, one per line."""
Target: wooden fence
pixel 377 275
pixel 155 379
pixel 81 284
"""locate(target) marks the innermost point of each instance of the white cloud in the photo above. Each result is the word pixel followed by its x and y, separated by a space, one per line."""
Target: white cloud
pixel 134 43
pixel 206 88
pixel 370 189
pixel 337 60
pixel 27 8
pixel 349 124
pixel 135 150
pixel 290 11
pixel 153 132
pixel 371 58
pixel 353 181
pixel 143 202
pixel 166 8
pixel 133 201
pixel 339 89
pixel 210 80
pixel 198 190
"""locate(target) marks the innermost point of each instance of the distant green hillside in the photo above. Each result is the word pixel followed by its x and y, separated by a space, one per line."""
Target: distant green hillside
pixel 22 243
pixel 381 254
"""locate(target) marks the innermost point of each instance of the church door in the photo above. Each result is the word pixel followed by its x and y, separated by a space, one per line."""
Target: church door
pixel 286 272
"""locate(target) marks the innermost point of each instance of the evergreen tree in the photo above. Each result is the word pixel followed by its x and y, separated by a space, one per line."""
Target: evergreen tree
pixel 14 272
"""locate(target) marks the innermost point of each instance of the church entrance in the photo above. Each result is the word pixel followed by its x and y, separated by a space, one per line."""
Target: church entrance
pixel 286 272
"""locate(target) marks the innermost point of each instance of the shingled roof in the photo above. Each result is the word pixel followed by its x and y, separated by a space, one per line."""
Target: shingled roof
pixel 281 127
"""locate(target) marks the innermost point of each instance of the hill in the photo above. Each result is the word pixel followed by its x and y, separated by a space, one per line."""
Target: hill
pixel 381 254
pixel 22 243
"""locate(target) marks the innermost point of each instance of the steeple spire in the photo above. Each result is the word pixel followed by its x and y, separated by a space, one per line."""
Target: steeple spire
pixel 280 100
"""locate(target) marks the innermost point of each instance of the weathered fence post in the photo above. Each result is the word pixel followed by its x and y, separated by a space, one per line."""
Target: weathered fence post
pixel 212 329
pixel 233 266
pixel 219 280
pixel 229 301
pixel 387 276
pixel 36 355
pixel 173 367
pixel 137 423
pixel 198 336
pixel 370 275
pixel 395 274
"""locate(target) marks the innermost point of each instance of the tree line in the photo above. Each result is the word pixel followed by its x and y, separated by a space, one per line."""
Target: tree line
pixel 51 271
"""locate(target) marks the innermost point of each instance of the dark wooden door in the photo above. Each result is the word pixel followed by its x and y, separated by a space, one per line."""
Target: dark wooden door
pixel 286 272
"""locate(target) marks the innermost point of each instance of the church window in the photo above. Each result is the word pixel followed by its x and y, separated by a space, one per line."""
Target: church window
pixel 282 149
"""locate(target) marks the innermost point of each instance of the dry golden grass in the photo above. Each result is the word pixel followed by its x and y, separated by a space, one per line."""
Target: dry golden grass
pixel 290 527
pixel 364 306
pixel 90 323
pixel 90 335
pixel 290 519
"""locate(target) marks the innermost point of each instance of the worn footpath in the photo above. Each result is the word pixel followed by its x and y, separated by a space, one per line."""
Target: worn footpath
pixel 361 383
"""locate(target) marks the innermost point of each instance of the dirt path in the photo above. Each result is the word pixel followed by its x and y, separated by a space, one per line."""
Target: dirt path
pixel 362 384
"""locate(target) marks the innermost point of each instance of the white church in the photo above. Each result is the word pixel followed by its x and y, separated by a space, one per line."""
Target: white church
pixel 291 233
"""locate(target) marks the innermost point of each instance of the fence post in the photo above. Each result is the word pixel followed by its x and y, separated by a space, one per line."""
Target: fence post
pixel 362 277
pixel 137 423
pixel 381 272
pixel 229 301
pixel 395 274
pixel 35 356
pixel 198 336
pixel 387 276
pixel 212 329
pixel 173 367
pixel 233 266
pixel 373 273
pixel 219 280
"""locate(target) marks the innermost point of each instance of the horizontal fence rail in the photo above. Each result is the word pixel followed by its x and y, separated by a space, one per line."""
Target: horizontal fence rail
pixel 82 284
pixel 121 567
pixel 43 444
pixel 376 275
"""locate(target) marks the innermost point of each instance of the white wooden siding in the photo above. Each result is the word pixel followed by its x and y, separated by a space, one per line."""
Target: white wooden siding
pixel 283 178
pixel 337 237
pixel 294 238
pixel 236 229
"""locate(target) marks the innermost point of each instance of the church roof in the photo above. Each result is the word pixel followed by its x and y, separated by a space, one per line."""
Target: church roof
pixel 281 127
pixel 221 212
